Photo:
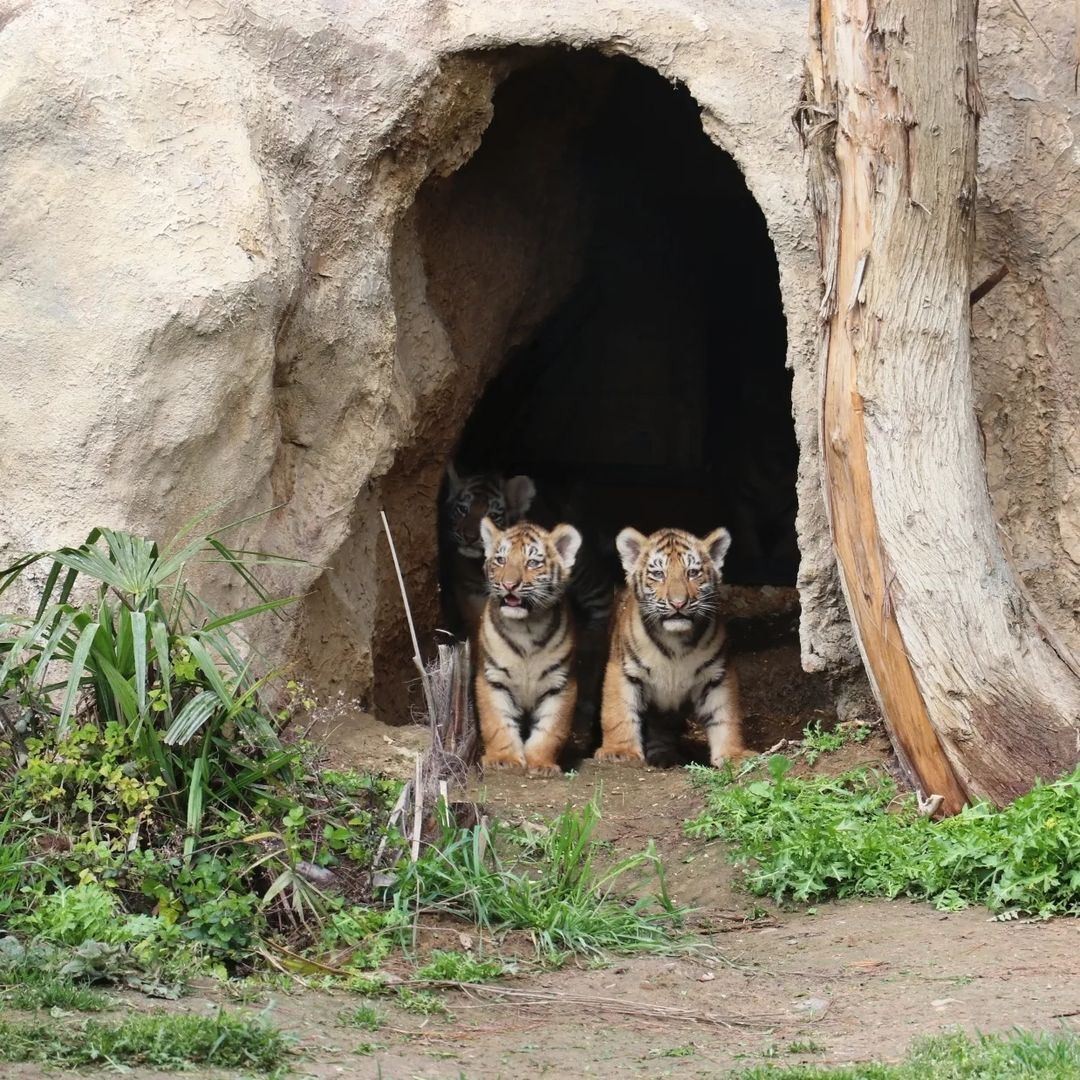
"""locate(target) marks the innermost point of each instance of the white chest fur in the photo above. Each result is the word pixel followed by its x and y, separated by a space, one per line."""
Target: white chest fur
pixel 524 656
pixel 670 682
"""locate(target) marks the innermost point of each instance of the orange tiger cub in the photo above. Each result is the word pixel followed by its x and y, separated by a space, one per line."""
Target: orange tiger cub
pixel 525 683
pixel 668 654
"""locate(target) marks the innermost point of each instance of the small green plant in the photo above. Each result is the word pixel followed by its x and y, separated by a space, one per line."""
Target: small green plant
pixel 805 1046
pixel 422 1002
pixel 854 835
pixel 688 1050
pixel 1031 1055
pixel 459 967
pixel 366 1017
pixel 225 1041
pixel 70 916
pixel 816 742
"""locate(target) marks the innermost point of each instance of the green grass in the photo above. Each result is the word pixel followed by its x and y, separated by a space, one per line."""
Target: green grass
pixel 43 990
pixel 159 1041
pixel 1018 1056
pixel 421 1002
pixel 459 967
pixel 853 835
pixel 365 1017
pixel 816 742
pixel 555 885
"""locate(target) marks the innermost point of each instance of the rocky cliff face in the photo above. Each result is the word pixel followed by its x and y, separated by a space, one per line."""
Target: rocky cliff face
pixel 231 276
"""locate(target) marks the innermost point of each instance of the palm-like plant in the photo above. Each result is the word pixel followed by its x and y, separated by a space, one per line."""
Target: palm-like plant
pixel 145 653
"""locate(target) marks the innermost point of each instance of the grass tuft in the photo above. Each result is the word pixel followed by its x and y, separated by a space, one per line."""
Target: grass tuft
pixel 159 1041
pixel 1020 1055
pixel 552 883
pixel 459 967
pixel 365 1017
pixel 42 990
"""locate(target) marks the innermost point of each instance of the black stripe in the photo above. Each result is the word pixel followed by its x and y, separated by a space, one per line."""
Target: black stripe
pixel 551 692
pixel 637 659
pixel 516 649
pixel 556 623
pixel 551 668
pixel 712 684
pixel 656 641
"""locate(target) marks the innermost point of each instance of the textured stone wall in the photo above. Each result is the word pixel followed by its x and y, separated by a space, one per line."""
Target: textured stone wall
pixel 219 288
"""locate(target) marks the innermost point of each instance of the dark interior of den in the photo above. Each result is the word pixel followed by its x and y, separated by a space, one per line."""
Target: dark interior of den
pixel 654 392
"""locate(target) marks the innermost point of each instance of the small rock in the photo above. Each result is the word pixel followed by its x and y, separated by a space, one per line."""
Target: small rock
pixel 812 1004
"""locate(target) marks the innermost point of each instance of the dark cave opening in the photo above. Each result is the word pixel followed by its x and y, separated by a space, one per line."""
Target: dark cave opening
pixel 655 392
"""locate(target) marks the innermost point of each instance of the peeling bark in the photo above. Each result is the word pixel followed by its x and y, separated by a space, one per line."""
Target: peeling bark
pixel 979 700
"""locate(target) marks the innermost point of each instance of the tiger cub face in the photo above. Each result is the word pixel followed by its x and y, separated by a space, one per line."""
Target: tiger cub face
pixel 527 568
pixel 469 499
pixel 673 575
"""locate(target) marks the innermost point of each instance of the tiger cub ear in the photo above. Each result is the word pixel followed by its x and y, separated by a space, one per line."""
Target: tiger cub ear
pixel 453 479
pixel 567 541
pixel 717 544
pixel 490 535
pixel 520 492
pixel 629 544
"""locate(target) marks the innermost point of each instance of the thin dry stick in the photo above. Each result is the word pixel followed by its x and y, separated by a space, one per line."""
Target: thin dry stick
pixel 418 810
pixel 620 1006
pixel 408 615
pixel 397 813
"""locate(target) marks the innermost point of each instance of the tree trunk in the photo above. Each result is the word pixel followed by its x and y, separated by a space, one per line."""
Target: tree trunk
pixel 979 699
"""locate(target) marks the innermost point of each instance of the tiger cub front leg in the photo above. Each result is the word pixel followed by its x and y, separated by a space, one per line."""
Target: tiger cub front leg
pixel 720 714
pixel 499 716
pixel 620 717
pixel 552 721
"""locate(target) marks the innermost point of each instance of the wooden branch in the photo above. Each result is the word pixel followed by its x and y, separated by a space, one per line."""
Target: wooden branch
pixel 417 660
pixel 996 278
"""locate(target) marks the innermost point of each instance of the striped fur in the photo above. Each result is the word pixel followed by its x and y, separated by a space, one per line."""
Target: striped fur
pixel 468 500
pixel 668 654
pixel 525 683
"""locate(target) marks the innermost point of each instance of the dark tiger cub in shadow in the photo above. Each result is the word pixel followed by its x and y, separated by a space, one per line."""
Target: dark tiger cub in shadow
pixel 468 500
pixel 525 681
pixel 669 655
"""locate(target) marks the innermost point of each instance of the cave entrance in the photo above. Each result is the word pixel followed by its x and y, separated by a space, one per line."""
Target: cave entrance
pixel 599 287
pixel 655 393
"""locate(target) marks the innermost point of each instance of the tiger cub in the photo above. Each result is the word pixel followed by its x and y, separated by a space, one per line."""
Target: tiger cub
pixel 468 500
pixel 668 653
pixel 525 683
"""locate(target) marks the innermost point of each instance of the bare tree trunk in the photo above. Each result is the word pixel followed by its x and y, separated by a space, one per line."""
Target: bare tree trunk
pixel 979 698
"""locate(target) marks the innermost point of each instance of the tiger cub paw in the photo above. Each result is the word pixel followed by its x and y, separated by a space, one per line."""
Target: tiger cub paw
pixel 502 762
pixel 544 769
pixel 619 755
pixel 718 761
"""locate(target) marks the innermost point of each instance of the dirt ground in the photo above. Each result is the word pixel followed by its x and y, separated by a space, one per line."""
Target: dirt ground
pixel 841 982
pixel 844 982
